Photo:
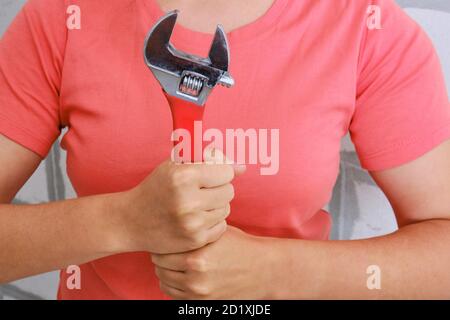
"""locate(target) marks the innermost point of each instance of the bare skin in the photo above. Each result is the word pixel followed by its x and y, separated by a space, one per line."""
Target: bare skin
pixel 205 15
pixel 415 260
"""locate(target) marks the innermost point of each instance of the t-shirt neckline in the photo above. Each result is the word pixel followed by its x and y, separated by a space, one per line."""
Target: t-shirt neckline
pixel 237 36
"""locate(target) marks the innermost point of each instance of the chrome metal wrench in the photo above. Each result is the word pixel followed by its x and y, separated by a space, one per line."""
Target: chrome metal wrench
pixel 187 80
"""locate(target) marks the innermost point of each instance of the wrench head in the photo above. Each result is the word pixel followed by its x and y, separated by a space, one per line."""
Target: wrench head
pixel 184 75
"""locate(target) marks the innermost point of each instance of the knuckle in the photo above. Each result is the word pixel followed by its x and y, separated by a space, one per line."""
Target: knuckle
pixel 163 288
pixel 198 241
pixel 172 175
pixel 227 210
pixel 178 204
pixel 198 289
pixel 219 231
pixel 230 173
pixel 196 263
pixel 193 205
pixel 191 226
pixel 202 291
pixel 230 191
pixel 158 273
pixel 182 175
pixel 187 228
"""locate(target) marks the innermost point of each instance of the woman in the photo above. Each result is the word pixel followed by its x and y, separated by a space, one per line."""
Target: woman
pixel 314 70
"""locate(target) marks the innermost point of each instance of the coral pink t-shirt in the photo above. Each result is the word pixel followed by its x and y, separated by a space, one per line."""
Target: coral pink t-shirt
pixel 312 69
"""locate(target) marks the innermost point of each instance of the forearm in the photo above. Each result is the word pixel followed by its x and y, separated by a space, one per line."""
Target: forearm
pixel 45 237
pixel 414 263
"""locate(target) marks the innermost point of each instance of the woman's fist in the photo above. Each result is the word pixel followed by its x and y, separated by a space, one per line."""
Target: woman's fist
pixel 179 207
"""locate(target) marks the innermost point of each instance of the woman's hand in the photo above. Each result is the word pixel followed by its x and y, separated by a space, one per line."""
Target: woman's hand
pixel 237 266
pixel 179 207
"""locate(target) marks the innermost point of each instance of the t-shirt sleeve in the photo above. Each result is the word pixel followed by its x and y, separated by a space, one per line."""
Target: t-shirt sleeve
pixel 402 109
pixel 31 60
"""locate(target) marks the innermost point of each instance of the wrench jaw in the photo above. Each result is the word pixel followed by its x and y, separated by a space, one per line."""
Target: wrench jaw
pixel 219 56
pixel 185 76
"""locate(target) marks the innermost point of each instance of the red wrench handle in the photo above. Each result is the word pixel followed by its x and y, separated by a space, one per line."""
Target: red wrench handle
pixel 184 115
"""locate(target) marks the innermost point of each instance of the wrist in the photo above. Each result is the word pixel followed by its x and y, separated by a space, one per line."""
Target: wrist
pixel 272 268
pixel 288 266
pixel 114 213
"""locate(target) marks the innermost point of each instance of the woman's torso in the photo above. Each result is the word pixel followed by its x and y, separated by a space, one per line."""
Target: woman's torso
pixel 295 70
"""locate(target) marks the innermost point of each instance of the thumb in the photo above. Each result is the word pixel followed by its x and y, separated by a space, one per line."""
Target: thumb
pixel 216 156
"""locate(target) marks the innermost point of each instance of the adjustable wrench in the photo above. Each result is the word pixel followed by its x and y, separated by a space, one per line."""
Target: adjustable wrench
pixel 186 80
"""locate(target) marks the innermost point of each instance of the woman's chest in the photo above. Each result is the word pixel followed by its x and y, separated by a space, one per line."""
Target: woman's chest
pixel 285 116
